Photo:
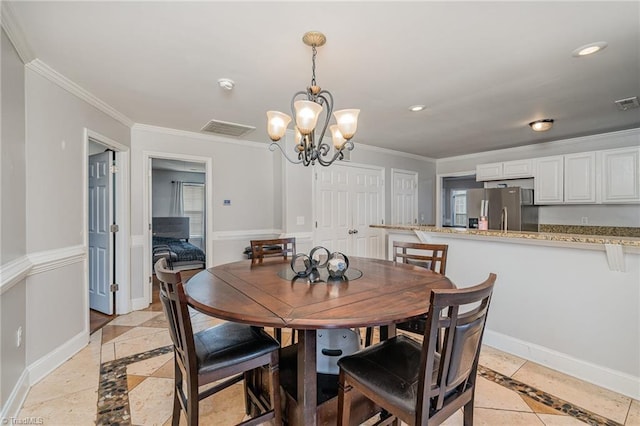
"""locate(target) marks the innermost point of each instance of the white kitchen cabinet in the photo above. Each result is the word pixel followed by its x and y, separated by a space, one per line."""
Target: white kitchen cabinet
pixel 505 170
pixel 620 175
pixel 549 180
pixel 580 178
pixel 517 169
pixel 491 171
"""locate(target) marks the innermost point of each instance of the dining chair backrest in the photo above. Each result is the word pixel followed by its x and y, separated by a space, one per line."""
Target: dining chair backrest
pixel 424 383
pixel 284 248
pixel 174 305
pixel 430 256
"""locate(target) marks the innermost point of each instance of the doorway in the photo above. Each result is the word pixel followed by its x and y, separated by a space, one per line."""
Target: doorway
pixel 179 213
pixel 106 224
pixel 347 200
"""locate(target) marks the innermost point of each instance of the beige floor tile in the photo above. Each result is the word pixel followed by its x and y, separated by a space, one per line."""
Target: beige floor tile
pixel 590 397
pixel 557 420
pixel 151 401
pixel 499 361
pixel 81 372
pixel 148 366
pixel 633 417
pixel 108 352
pixel 135 318
pixel 142 344
pixel 489 417
pixel 493 395
pixel 201 322
pixel 133 381
pixel 78 408
pixel 136 332
pixel 110 332
pixel 539 407
pixel 167 370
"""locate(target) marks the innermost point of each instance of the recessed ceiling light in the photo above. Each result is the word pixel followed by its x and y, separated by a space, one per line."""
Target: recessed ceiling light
pixel 226 83
pixel 589 49
pixel 416 108
pixel 542 125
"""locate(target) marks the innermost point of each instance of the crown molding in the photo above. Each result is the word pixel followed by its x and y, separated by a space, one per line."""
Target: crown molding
pixel 54 76
pixel 15 34
pixel 396 153
pixel 195 135
pixel 580 140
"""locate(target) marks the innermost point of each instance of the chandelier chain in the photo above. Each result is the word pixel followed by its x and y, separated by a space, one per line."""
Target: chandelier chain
pixel 313 66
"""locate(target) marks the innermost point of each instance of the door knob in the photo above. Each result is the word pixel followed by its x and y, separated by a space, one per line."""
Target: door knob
pixel 355 231
pixel 350 231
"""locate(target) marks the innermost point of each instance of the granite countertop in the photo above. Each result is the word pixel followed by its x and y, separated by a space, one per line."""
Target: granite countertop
pixel 541 236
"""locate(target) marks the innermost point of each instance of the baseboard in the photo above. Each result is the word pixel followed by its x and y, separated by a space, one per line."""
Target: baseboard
pixel 45 365
pixel 12 407
pixel 604 377
pixel 139 303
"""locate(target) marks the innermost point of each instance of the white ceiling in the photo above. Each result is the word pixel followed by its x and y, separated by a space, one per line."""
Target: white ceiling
pixel 484 69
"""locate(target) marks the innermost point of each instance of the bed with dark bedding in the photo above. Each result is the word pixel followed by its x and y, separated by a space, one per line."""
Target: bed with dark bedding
pixel 171 240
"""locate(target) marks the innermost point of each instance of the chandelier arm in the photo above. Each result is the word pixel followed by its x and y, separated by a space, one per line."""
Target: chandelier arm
pixel 274 145
pixel 323 147
pixel 348 145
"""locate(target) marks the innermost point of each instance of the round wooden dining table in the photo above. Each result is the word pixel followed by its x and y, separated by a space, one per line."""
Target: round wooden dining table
pixel 383 293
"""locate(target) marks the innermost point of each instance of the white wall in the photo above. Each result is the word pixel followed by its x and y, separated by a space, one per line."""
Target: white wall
pixel 162 188
pixel 609 215
pixel 56 207
pixel 12 219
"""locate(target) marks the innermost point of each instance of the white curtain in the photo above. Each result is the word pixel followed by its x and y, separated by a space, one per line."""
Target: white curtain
pixel 177 205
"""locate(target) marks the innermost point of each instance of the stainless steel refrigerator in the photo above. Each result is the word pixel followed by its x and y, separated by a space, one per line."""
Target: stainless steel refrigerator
pixel 513 204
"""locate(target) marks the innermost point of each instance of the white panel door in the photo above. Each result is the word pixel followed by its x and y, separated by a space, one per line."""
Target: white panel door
pixel 367 189
pixel 348 200
pixel 404 207
pixel 333 219
pixel 100 236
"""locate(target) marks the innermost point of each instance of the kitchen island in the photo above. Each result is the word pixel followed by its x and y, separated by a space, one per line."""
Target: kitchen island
pixel 570 302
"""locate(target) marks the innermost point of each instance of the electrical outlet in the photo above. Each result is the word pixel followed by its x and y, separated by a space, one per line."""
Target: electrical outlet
pixel 19 337
pixel 585 220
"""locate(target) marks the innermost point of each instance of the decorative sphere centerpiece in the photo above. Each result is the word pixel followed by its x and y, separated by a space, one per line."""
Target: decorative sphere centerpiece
pixel 337 265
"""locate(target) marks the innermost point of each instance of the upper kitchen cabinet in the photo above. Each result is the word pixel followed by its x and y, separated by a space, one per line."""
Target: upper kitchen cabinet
pixel 549 180
pixel 580 178
pixel 506 170
pixel 565 179
pixel 620 175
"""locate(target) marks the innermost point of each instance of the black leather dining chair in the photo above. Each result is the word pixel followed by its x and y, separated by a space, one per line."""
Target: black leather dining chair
pixel 227 352
pixel 415 382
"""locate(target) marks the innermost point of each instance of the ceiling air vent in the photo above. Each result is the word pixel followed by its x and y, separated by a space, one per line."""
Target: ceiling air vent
pixel 227 129
pixel 627 104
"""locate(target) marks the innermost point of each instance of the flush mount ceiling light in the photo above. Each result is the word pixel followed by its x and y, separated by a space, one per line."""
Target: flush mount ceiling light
pixel 542 125
pixel 306 113
pixel 226 83
pixel 417 108
pixel 589 49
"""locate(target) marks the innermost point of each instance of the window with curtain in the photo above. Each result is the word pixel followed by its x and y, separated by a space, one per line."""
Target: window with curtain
pixel 193 204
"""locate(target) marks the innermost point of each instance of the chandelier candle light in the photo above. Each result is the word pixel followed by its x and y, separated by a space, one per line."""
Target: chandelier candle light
pixel 306 112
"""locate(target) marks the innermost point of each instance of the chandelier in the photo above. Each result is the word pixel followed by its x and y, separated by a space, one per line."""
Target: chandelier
pixel 307 111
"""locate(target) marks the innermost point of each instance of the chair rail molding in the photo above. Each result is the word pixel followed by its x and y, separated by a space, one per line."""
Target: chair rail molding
pixel 11 273
pixel 48 260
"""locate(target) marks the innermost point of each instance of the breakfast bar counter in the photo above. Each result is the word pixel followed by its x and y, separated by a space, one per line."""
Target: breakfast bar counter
pixel 567 301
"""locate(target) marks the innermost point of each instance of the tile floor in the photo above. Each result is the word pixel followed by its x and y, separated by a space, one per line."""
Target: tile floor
pixel 125 375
